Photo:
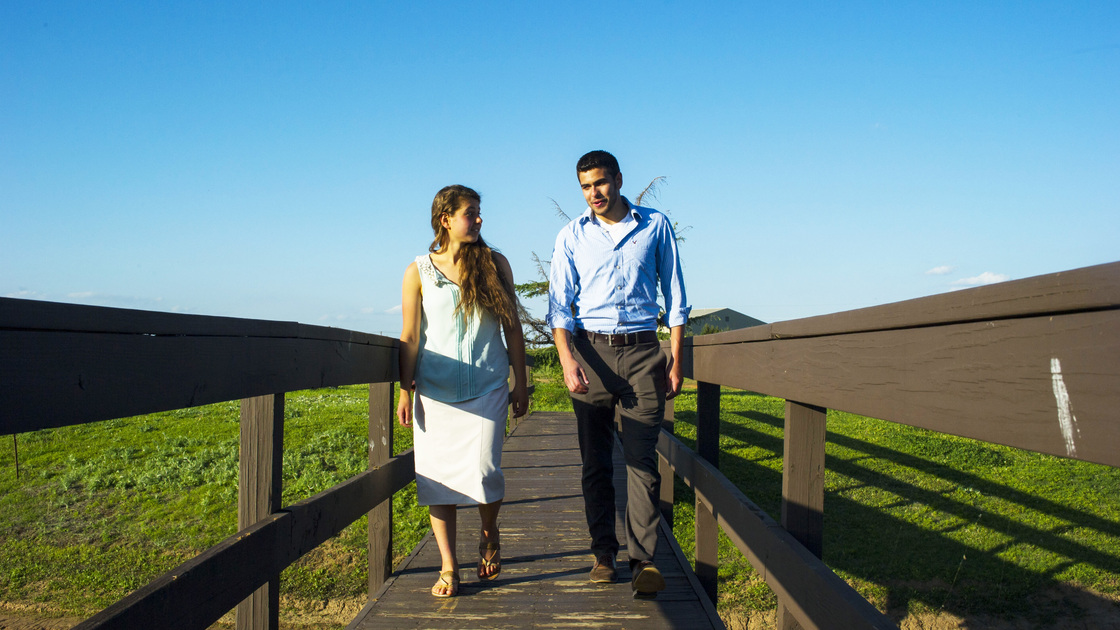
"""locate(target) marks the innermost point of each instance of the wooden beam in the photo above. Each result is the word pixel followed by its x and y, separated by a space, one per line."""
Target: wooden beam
pixel 707 421
pixel 802 486
pixel 260 482
pixel 54 379
pixel 665 472
pixel 707 448
pixel 817 597
pixel 803 475
pixel 1047 384
pixel 380 518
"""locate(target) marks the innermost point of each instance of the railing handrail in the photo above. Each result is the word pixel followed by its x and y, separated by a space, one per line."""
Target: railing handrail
pixel 65 364
pixel 990 357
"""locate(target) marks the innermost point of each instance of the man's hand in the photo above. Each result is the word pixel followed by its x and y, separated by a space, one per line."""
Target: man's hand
pixel 673 379
pixel 574 377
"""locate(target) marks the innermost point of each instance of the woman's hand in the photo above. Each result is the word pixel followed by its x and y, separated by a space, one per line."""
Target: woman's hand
pixel 519 398
pixel 404 408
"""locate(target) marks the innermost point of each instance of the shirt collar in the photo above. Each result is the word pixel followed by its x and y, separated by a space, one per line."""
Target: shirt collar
pixel 635 211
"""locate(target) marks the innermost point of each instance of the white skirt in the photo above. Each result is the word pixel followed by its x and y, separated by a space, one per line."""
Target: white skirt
pixel 458 449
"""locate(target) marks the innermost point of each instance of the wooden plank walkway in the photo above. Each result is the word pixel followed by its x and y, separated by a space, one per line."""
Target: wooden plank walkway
pixel 546 556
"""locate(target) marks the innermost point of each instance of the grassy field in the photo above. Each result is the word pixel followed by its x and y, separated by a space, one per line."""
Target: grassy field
pixel 928 527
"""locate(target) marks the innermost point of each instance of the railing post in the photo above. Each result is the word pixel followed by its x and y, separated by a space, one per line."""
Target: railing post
pixel 707 447
pixel 665 471
pixel 380 518
pixel 260 482
pixel 803 484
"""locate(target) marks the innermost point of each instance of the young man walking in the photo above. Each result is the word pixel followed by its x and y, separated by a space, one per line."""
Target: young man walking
pixel 606 268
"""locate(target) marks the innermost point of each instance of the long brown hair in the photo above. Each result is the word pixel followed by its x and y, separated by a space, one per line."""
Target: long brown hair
pixel 480 284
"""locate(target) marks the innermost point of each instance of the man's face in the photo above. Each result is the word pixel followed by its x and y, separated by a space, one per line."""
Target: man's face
pixel 601 190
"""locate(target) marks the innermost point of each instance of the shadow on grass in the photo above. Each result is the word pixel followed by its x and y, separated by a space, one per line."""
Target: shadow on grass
pixel 924 564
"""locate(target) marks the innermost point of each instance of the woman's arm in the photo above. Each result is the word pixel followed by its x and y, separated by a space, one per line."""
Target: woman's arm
pixel 515 344
pixel 410 341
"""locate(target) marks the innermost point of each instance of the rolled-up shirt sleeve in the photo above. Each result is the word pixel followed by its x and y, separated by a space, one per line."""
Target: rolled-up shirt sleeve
pixel 562 281
pixel 672 279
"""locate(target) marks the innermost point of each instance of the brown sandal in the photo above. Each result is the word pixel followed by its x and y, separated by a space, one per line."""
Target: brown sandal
pixel 494 561
pixel 447 580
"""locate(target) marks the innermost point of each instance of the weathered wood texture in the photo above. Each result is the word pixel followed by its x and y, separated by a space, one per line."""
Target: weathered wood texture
pixel 62 364
pixel 1033 364
pixel 803 475
pixel 201 590
pixel 380 522
pixel 545 556
pixel 802 487
pixel 813 594
pixel 260 482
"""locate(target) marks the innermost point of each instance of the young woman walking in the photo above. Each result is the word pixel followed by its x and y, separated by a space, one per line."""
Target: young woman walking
pixel 456 300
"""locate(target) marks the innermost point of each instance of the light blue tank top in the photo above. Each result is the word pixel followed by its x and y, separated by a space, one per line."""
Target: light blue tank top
pixel 460 357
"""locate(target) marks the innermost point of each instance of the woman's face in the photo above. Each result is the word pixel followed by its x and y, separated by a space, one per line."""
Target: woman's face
pixel 465 224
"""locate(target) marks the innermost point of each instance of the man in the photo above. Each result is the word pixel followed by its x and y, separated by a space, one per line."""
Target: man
pixel 606 268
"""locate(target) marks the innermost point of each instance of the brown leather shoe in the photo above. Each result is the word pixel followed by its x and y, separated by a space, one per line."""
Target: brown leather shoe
pixel 604 571
pixel 647 580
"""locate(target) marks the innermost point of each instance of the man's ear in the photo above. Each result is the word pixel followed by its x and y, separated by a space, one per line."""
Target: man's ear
pixel 618 181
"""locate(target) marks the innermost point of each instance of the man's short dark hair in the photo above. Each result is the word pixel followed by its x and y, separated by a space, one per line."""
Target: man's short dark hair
pixel 598 159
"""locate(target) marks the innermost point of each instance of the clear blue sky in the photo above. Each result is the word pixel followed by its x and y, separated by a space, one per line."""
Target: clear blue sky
pixel 278 160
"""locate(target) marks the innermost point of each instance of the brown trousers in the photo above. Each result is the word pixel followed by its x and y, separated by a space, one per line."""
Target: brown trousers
pixel 631 379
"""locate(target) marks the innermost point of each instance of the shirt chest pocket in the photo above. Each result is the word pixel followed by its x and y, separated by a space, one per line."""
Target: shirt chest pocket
pixel 639 256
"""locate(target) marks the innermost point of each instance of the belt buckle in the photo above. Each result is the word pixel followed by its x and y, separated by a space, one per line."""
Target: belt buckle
pixel 610 339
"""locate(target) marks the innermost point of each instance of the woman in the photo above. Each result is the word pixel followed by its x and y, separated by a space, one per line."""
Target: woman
pixel 454 301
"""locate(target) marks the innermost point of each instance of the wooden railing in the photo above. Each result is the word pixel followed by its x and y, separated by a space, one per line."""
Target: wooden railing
pixel 1033 364
pixel 64 364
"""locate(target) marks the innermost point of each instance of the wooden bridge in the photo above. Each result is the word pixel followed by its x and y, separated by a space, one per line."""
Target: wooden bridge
pixel 1033 364
pixel 545 556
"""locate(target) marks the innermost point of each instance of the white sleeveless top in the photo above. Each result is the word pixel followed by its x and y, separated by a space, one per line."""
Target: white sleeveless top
pixel 460 357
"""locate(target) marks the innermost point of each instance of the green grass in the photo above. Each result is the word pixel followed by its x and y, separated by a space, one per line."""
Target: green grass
pixel 917 522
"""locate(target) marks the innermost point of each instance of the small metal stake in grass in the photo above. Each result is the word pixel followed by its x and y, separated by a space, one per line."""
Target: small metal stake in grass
pixel 15 448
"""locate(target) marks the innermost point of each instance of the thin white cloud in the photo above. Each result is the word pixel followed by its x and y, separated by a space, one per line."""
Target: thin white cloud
pixel 25 294
pixel 395 309
pixel 368 310
pixel 114 300
pixel 939 271
pixel 985 278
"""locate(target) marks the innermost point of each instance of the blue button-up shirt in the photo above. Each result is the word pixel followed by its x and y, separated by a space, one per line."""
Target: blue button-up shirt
pixel 604 287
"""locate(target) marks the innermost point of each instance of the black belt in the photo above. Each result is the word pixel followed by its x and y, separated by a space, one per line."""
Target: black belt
pixel 618 339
